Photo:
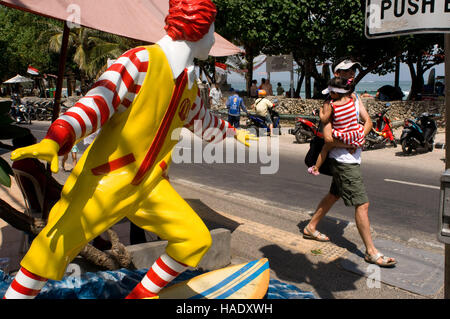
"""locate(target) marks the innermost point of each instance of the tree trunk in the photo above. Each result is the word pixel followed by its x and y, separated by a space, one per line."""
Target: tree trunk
pixel 299 85
pixel 249 56
pixel 308 75
pixel 301 77
pixel 417 81
pixel 208 77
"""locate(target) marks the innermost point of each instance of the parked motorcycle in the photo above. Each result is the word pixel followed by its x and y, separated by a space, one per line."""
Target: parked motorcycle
pixel 306 129
pixel 382 132
pixel 255 123
pixel 30 109
pixel 44 111
pixel 419 132
pixel 19 111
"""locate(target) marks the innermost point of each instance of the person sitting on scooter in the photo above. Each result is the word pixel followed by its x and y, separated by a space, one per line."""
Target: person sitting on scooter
pixel 346 131
pixel 262 106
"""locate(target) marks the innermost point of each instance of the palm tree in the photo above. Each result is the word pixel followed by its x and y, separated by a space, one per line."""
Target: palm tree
pixel 91 48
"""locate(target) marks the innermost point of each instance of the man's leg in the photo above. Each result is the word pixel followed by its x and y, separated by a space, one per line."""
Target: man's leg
pixel 237 122
pixel 363 225
pixel 322 209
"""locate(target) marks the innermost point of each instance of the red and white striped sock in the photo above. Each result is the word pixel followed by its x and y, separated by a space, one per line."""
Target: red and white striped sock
pixel 25 285
pixel 163 271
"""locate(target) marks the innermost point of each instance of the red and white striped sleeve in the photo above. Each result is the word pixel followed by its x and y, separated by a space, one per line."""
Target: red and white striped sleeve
pixel 112 93
pixel 207 125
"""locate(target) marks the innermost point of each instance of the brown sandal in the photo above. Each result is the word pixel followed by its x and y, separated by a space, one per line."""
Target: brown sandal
pixel 385 261
pixel 307 234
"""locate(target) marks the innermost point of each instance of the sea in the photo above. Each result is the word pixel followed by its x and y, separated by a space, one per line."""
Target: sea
pixel 370 87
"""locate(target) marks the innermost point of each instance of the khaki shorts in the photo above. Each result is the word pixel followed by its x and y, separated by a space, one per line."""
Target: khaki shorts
pixel 348 183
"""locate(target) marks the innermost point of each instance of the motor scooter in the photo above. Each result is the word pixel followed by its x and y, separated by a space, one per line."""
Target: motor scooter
pixel 419 132
pixel 257 124
pixel 381 133
pixel 19 111
pixel 306 129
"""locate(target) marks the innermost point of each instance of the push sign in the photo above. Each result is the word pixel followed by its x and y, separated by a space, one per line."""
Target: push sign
pixel 386 18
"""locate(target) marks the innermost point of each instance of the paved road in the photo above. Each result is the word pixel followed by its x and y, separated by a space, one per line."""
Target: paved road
pixel 403 190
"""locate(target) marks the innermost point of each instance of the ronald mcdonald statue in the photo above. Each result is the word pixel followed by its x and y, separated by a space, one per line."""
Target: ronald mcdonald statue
pixel 148 93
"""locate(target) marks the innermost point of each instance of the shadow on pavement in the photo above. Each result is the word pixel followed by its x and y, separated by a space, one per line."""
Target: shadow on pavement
pixel 325 277
pixel 334 228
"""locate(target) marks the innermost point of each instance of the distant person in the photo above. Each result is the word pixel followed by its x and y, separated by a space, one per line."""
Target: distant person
pixel 389 93
pixel 262 106
pixel 263 82
pixel 254 89
pixel 439 88
pixel 215 96
pixel 366 95
pixel 204 93
pixel 235 104
pixel 73 152
pixel 280 89
pixel 268 87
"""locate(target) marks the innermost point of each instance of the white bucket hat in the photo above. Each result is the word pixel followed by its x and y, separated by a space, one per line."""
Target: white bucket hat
pixel 345 65
pixel 334 89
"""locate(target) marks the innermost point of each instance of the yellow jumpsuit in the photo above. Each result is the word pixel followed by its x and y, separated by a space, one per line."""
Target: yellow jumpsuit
pixel 122 174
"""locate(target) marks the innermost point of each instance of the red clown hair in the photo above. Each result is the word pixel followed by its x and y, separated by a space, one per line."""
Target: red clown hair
pixel 189 19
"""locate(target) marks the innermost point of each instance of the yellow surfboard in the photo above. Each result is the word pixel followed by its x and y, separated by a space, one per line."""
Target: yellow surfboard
pixel 243 281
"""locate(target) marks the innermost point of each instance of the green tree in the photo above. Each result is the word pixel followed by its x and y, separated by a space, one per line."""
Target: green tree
pixel 19 48
pixel 248 24
pixel 423 52
pixel 89 49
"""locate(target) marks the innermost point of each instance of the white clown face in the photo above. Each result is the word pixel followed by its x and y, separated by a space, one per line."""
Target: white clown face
pixel 204 45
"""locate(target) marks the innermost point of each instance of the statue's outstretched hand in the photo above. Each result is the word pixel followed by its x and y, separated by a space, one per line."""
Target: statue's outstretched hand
pixel 46 150
pixel 243 136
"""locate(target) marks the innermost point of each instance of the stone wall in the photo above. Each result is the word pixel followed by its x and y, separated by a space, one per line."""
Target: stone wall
pixel 399 110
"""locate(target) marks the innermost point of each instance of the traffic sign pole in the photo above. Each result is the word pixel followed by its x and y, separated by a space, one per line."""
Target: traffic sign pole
pixel 447 153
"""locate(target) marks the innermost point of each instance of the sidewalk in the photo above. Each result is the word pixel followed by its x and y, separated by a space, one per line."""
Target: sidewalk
pixel 332 270
pixel 311 266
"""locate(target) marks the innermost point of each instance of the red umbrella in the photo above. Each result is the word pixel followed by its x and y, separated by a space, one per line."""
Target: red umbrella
pixel 136 19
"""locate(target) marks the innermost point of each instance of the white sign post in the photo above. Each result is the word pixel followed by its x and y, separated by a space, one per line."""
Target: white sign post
pixel 282 63
pixel 385 18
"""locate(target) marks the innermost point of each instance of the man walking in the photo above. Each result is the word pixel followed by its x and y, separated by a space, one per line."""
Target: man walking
pixel 347 180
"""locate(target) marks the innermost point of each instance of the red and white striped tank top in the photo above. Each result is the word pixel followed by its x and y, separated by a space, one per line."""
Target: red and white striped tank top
pixel 345 124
